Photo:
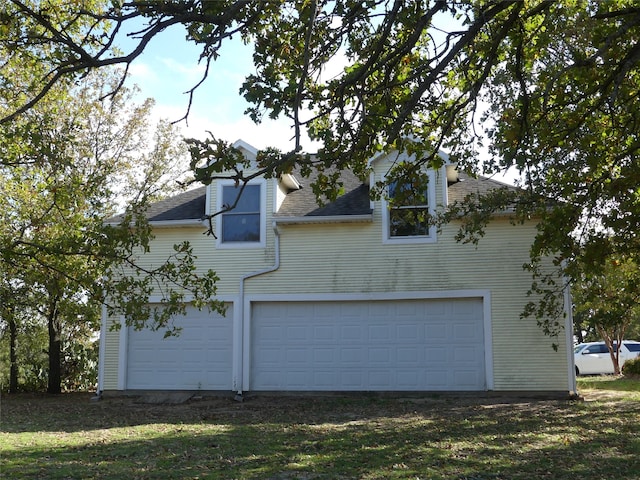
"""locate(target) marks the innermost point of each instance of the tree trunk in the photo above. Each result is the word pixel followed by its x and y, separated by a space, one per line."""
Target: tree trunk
pixel 13 355
pixel 55 349
pixel 613 345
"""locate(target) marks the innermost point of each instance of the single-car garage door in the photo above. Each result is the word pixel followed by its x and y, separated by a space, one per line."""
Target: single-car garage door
pixel 405 345
pixel 200 358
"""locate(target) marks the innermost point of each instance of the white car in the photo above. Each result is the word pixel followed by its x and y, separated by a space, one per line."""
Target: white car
pixel 593 358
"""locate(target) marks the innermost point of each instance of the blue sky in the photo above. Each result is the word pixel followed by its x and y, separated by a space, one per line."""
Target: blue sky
pixel 169 67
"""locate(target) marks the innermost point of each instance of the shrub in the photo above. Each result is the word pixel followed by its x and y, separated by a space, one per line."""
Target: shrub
pixel 631 367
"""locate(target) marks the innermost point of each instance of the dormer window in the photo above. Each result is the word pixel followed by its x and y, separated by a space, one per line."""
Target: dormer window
pixel 407 211
pixel 243 225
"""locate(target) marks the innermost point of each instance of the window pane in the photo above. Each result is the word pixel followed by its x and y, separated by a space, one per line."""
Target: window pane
pixel 405 194
pixel 597 348
pixel 249 200
pixel 408 222
pixel 633 347
pixel 241 227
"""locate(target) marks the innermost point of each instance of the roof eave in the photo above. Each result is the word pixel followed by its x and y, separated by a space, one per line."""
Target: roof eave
pixel 309 219
pixel 192 222
pixel 168 223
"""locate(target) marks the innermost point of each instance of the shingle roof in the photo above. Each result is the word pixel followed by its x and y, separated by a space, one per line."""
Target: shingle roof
pixel 468 184
pixel 303 203
pixel 190 205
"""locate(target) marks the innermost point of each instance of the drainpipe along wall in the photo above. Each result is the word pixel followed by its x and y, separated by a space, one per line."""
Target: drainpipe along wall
pixel 242 322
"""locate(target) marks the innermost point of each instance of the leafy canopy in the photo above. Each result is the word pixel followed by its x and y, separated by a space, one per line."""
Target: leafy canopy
pixel 547 87
pixel 67 164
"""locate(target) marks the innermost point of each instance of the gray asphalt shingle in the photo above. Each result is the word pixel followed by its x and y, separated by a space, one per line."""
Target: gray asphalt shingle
pixel 478 185
pixel 303 203
pixel 189 205
pixel 355 200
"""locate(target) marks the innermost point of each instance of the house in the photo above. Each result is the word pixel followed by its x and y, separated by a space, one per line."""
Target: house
pixel 348 296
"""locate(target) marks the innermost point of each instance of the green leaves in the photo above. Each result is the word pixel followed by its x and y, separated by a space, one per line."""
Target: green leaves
pixel 67 165
pixel 547 88
pixel 607 298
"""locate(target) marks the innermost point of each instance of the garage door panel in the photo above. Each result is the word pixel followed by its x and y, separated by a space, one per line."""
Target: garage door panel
pixel 297 356
pixel 324 355
pixel 350 333
pixel 435 355
pixel 408 356
pixel 408 332
pixel 380 345
pixel 408 379
pixel 437 331
pixel 379 355
pixel 351 380
pixel 325 379
pixel 324 334
pixel 352 355
pixel 200 357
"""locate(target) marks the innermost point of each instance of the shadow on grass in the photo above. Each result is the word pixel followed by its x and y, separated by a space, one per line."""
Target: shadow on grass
pixel 319 438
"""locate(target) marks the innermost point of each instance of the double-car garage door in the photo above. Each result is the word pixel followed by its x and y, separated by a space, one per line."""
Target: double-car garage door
pixel 387 345
pixel 368 346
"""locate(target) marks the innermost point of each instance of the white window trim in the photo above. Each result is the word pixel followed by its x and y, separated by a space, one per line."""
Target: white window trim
pixel 263 216
pixel 431 238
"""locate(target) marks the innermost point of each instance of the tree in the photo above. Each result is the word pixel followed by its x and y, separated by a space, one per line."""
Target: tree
pixel 609 302
pixel 59 181
pixel 547 87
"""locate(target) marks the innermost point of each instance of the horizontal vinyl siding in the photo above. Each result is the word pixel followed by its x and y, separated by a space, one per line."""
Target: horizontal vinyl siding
pixel 354 262
pixel 229 264
pixel 351 258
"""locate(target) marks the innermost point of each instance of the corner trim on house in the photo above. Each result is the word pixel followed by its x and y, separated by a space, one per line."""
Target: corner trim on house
pixel 568 325
pixel 488 339
pixel 123 348
pixel 445 186
pixel 101 348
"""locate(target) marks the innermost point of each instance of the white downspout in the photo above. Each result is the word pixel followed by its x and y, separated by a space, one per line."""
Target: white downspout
pixel 241 341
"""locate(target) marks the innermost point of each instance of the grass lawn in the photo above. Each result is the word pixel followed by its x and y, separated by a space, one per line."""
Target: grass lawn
pixel 71 437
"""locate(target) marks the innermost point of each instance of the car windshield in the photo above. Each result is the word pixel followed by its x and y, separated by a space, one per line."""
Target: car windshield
pixel 577 348
pixel 633 347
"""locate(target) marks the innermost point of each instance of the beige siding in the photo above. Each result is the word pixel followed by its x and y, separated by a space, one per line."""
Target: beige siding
pixel 351 258
pixel 355 261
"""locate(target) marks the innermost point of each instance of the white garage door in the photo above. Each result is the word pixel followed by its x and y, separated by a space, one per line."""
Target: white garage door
pixel 415 345
pixel 198 359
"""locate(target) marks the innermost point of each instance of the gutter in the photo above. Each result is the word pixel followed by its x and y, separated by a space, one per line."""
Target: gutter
pixel 239 332
pixel 167 223
pixel 364 218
